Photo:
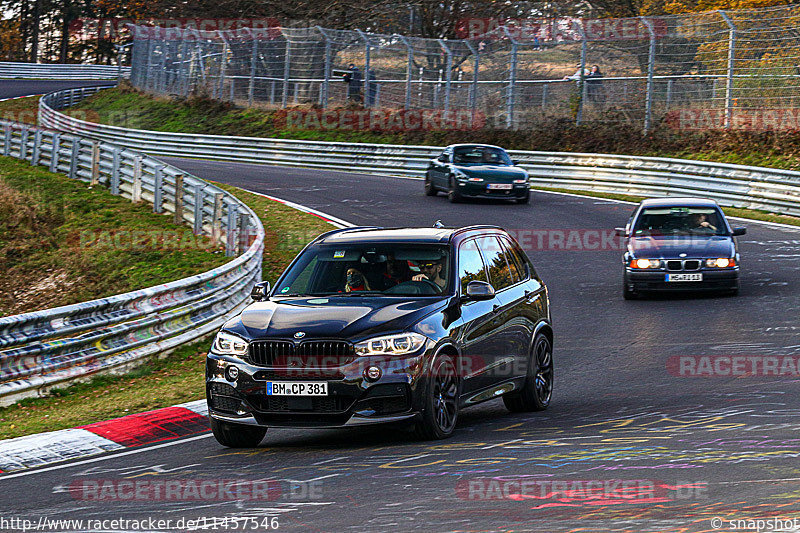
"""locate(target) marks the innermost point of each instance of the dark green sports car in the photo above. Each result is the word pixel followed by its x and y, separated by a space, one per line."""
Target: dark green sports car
pixel 477 171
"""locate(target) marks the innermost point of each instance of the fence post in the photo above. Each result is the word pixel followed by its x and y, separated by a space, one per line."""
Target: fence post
pixel 6 140
pixel 222 64
pixel 230 241
pixel 731 59
pixel 669 92
pixel 37 147
pixel 198 209
pixel 582 74
pixel 367 49
pixel 216 218
pixel 253 60
pixel 136 195
pixel 115 160
pixel 409 70
pixel 651 61
pixel 158 190
pixel 473 88
pixel 95 179
pixel 55 153
pixel 287 57
pixel 512 81
pixel 545 87
pixel 328 64
pixel 73 162
pixel 449 73
pixel 178 218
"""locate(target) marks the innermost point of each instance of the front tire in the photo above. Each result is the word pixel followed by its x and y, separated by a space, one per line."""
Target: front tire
pixel 430 190
pixel 440 416
pixel 452 193
pixel 237 435
pixel 538 389
pixel 627 292
pixel 525 199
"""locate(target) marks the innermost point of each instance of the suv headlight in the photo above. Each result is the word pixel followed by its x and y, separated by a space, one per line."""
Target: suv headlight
pixel 403 343
pixel 227 344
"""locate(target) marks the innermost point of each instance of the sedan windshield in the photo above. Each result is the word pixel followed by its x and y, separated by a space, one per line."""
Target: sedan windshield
pixel 368 269
pixel 480 155
pixel 680 221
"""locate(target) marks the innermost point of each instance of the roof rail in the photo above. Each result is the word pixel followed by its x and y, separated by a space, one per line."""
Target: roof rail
pixel 342 230
pixel 476 226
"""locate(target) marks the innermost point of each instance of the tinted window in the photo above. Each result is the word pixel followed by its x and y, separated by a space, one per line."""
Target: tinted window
pixel 480 155
pixel 676 220
pixel 499 275
pixel 470 265
pixel 517 273
pixel 522 260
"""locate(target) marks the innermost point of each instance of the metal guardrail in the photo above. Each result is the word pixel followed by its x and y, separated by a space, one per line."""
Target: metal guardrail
pixel 44 348
pixel 732 185
pixel 62 71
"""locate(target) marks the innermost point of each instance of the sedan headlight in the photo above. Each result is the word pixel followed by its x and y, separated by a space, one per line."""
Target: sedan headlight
pixel 721 262
pixel 403 343
pixel 645 263
pixel 227 344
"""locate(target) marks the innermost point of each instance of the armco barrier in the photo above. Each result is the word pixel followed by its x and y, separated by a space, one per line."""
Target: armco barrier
pixel 45 348
pixel 62 71
pixel 733 185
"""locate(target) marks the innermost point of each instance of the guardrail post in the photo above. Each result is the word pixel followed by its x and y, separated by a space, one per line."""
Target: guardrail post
pixel 54 155
pixel 136 197
pixel 582 74
pixel 73 162
pixel 23 143
pixel 242 243
pixel 95 163
pixel 651 63
pixel 115 160
pixel 729 75
pixel 158 190
pixel 198 209
pixel 286 65
pixel 230 241
pixel 6 140
pixel 512 81
pixel 216 218
pixel 178 218
pixel 37 147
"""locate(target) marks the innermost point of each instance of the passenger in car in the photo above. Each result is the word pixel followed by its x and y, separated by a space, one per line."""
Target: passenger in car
pixel 355 281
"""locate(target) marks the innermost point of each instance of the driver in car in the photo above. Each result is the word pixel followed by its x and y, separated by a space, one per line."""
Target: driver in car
pixel 700 222
pixel 431 271
pixel 355 281
pixel 396 273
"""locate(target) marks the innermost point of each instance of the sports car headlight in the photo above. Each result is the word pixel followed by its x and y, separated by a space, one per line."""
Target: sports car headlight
pixel 645 263
pixel 227 344
pixel 403 343
pixel 459 175
pixel 721 262
pixel 521 181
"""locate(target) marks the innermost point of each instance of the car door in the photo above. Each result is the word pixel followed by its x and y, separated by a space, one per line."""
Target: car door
pixel 502 361
pixel 440 169
pixel 478 321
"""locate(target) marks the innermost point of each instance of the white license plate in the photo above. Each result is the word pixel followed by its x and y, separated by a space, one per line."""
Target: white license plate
pixel 685 277
pixel 499 186
pixel 297 388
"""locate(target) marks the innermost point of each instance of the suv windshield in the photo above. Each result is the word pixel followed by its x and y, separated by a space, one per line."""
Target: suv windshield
pixel 365 269
pixel 480 155
pixel 680 221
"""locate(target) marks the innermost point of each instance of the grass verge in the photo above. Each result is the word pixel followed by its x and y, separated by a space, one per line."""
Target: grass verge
pixel 159 382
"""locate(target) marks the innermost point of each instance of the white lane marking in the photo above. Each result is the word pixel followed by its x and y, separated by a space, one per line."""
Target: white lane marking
pixel 611 200
pixel 338 222
pixel 499 444
pixel 412 458
pixel 103 458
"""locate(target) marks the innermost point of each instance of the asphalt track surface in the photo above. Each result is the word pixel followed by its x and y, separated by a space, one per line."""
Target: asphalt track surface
pixel 676 452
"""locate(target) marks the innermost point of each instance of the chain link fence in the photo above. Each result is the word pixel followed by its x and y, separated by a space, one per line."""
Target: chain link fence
pixel 720 69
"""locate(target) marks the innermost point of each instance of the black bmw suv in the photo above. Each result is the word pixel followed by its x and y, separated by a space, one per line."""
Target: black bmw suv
pixel 373 325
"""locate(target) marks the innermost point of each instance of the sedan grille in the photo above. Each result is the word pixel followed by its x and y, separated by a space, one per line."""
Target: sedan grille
pixel 306 354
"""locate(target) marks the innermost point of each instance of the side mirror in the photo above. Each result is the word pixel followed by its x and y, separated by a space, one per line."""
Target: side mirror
pixel 739 231
pixel 515 162
pixel 260 291
pixel 442 158
pixel 479 290
pixel 620 232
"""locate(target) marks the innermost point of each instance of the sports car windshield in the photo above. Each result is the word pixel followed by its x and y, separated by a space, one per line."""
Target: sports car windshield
pixel 480 155
pixel 368 269
pixel 680 221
